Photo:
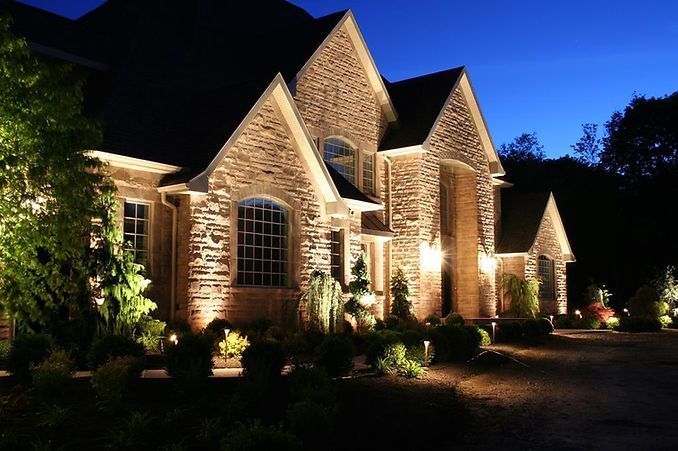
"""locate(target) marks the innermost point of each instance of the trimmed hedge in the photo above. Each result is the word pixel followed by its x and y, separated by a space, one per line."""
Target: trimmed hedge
pixel 639 324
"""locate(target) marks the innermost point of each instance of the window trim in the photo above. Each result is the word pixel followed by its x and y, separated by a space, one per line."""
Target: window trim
pixel 553 292
pixel 150 238
pixel 357 167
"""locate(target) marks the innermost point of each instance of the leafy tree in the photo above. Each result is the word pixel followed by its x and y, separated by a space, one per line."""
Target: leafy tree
pixel 524 295
pixel 119 277
pixel 587 149
pixel 324 303
pixel 666 285
pixel 642 140
pixel 49 188
pixel 401 306
pixel 525 147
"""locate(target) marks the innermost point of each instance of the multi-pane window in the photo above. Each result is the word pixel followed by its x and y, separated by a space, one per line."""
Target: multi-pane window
pixel 335 255
pixel 262 243
pixel 136 228
pixel 368 174
pixel 546 271
pixel 341 156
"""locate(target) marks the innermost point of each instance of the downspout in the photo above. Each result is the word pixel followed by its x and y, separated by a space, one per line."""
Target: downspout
pixel 389 270
pixel 173 287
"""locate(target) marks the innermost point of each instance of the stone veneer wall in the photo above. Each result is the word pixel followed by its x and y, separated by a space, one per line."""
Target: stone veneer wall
pixel 263 161
pixel 142 187
pixel 547 244
pixel 416 213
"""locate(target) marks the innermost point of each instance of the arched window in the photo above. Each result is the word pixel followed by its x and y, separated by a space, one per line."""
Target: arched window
pixel 547 275
pixel 263 253
pixel 341 156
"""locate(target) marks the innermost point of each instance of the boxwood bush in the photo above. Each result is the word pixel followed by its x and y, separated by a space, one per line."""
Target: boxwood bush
pixel 263 360
pixel 190 360
pixel 111 346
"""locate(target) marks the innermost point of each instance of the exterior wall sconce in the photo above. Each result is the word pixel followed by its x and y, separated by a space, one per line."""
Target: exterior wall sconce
pixel 431 257
pixel 488 264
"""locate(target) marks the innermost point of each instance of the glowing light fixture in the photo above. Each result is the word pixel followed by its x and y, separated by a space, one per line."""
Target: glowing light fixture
pixel 494 331
pixel 174 339
pixel 488 264
pixel 431 256
pixel 426 345
pixel 99 301
pixel 577 313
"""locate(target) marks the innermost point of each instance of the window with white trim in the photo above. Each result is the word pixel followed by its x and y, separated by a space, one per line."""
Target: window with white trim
pixel 336 244
pixel 368 173
pixel 341 156
pixel 546 271
pixel 263 253
pixel 136 228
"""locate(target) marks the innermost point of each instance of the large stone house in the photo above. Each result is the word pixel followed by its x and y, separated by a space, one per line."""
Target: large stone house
pixel 253 144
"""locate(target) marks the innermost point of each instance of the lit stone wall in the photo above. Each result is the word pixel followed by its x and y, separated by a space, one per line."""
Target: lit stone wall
pixel 262 162
pixel 5 330
pixel 142 187
pixel 547 244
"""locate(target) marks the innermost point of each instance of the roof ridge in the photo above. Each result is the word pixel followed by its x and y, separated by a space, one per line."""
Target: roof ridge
pixel 431 74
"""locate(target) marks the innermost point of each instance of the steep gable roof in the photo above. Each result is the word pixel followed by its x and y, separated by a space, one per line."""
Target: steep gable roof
pixel 421 103
pixel 521 216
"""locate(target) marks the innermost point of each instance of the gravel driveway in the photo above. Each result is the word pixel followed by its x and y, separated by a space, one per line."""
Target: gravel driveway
pixel 579 390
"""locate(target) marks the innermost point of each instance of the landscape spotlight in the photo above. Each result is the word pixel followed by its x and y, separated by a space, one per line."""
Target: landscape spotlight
pixel 577 313
pixel 426 345
pixel 174 339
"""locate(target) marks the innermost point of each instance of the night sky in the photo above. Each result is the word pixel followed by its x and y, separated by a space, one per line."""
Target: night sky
pixel 537 66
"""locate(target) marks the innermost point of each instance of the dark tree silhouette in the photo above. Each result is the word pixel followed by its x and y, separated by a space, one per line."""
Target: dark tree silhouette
pixel 525 147
pixel 587 149
pixel 642 141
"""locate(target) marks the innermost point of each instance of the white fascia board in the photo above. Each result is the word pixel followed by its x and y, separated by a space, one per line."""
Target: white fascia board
pixel 122 161
pixel 179 188
pixel 464 83
pixel 401 151
pixel 358 205
pixel 303 143
pixel 365 57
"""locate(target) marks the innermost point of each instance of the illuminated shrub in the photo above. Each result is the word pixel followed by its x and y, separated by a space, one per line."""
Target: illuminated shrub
pixel 27 350
pixel 411 369
pixel 587 322
pixel 665 320
pixel 646 302
pixel 233 346
pixel 335 355
pixel 263 360
pixel 324 303
pixel 417 352
pixel 378 341
pixel 151 332
pixel 597 310
pixel 432 319
pixel 612 322
pixel 110 346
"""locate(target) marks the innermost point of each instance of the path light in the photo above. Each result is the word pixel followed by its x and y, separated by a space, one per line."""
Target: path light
pixel 551 318
pixel 577 313
pixel 99 301
pixel 226 332
pixel 426 345
pixel 494 331
pixel 626 311
pixel 174 339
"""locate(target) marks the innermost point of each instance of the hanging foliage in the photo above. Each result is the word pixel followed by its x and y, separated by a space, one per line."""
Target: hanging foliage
pixel 324 303
pixel 119 278
pixel 524 295
pixel 401 306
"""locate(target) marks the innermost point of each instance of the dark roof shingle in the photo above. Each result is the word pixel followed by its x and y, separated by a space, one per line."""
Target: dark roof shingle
pixel 521 216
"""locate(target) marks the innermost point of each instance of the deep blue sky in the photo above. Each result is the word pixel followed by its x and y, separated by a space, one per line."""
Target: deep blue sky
pixel 536 65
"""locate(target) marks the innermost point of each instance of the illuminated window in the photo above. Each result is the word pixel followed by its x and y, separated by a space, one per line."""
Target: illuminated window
pixel 547 276
pixel 341 156
pixel 136 227
pixel 336 243
pixel 368 174
pixel 262 243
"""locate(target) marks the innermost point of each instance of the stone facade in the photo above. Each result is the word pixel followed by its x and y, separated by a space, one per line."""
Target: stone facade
pixel 262 162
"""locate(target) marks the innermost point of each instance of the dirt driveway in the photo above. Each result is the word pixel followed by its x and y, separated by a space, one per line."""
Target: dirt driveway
pixel 589 390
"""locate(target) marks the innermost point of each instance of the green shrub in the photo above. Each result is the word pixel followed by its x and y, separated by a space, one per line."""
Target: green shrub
pixel 335 355
pixel 461 342
pixel 311 383
pixel 263 360
pixel 646 302
pixel 383 367
pixel 324 303
pixel 378 341
pixel 4 352
pixel 254 436
pixel 258 328
pixel 151 332
pixel 524 295
pixel 112 380
pixel 587 322
pixel 190 360
pixel 217 325
pixel 479 337
pixel 674 323
pixel 395 354
pixel 233 346
pixel 441 344
pixel 27 350
pixel 401 305
pixel 417 352
pixel 50 376
pixel 411 369
pixel 310 421
pixel 563 322
pixel 391 322
pixel 110 346
pixel 454 319
pixel 665 320
pixel 545 326
pixel 612 322
pixel 509 331
pixel 432 319
pixel 639 324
